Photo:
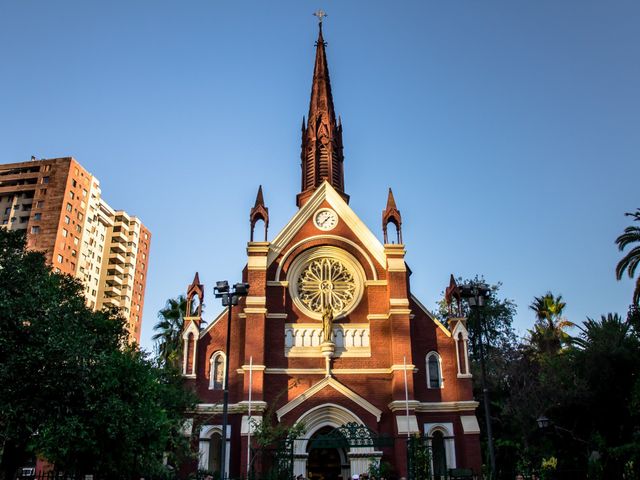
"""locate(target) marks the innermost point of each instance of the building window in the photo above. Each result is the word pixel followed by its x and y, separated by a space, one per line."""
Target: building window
pixel 71 194
pixel 439 454
pixel 69 207
pixel 67 220
pixel 75 240
pixel 216 371
pixel 35 229
pixel 37 216
pixel 65 232
pixel 215 448
pixel 45 180
pixel 40 204
pixel 59 258
pixel 434 370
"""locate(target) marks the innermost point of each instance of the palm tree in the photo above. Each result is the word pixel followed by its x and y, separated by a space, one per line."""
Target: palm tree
pixel 631 260
pixel 169 327
pixel 549 334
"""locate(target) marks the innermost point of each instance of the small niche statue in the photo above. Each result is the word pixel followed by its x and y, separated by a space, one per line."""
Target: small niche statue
pixel 327 324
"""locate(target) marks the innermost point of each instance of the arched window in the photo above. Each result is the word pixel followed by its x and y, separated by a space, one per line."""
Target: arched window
pixel 216 371
pixel 439 454
pixel 434 370
pixel 215 447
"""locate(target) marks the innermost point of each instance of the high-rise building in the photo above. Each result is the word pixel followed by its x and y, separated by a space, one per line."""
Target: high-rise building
pixel 60 206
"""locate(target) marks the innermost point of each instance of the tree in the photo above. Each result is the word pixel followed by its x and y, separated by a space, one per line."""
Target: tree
pixel 630 261
pixel 73 391
pixel 548 334
pixel 496 319
pixel 169 328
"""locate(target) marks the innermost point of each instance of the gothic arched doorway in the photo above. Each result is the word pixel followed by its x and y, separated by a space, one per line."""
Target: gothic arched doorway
pixel 325 463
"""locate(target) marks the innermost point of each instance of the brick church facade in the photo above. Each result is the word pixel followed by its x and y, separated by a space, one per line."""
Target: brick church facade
pixel 330 333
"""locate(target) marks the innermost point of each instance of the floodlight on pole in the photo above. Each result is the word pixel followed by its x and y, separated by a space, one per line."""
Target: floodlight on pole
pixel 476 294
pixel 229 299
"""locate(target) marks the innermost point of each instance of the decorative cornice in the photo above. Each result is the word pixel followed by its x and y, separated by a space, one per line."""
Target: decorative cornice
pixel 256 301
pixel 401 405
pixel 461 406
pixel 377 316
pixel 240 407
pixel 322 371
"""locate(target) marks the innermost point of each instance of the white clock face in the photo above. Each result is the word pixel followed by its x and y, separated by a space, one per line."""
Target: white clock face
pixel 325 219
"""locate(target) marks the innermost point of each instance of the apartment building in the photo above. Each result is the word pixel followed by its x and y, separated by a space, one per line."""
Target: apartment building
pixel 60 206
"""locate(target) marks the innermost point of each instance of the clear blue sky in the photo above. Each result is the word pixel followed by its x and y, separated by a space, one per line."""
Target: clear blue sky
pixel 509 130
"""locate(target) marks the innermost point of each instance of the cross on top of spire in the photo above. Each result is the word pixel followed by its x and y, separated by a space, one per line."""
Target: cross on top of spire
pixel 320 14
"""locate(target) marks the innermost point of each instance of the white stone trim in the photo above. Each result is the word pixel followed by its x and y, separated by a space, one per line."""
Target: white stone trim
pixel 449 441
pixel 305 339
pixel 240 407
pixel 277 315
pixel 255 262
pixel 376 283
pixel 277 283
pixel 214 355
pixel 255 301
pixel 469 424
pixel 377 316
pixel 460 406
pixel 402 405
pixel 404 421
pixel 206 431
pixel 193 329
pixel 326 192
pixel 322 371
pixel 439 360
pixel 339 387
pixel 332 415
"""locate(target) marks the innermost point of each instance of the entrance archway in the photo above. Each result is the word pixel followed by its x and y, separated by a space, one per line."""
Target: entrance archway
pixel 331 416
pixel 325 463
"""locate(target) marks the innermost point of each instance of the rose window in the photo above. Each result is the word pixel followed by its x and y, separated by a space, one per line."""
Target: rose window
pixel 326 277
pixel 326 283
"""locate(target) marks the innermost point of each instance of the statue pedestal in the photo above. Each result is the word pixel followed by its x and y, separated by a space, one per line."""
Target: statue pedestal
pixel 327 349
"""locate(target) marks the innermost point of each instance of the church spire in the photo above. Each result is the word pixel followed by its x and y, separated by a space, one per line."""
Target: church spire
pixel 321 156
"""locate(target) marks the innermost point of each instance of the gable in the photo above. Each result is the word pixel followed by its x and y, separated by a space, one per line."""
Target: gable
pixel 326 193
pixel 337 386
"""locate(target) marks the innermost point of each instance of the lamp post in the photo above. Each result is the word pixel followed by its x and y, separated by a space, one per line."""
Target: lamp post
pixel 476 295
pixel 229 299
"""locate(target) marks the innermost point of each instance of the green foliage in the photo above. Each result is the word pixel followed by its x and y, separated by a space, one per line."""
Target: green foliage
pixel 169 331
pixel 631 260
pixel 548 335
pixel 73 391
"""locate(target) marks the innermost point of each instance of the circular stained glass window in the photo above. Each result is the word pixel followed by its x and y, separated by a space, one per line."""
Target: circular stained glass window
pixel 326 277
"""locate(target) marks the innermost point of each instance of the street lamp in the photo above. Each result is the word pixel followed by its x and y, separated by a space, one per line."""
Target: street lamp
pixel 229 299
pixel 476 295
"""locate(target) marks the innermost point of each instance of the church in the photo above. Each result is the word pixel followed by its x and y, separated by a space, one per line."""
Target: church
pixel 329 335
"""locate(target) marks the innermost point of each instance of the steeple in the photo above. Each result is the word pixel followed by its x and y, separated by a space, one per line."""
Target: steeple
pixel 321 154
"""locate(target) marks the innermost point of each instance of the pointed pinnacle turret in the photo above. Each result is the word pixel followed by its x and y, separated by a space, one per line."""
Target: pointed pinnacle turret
pixel 391 214
pixel 196 289
pixel 259 212
pixel 321 156
pixel 391 202
pixel 259 198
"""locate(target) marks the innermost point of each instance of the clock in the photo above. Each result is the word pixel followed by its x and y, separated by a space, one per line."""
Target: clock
pixel 325 219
